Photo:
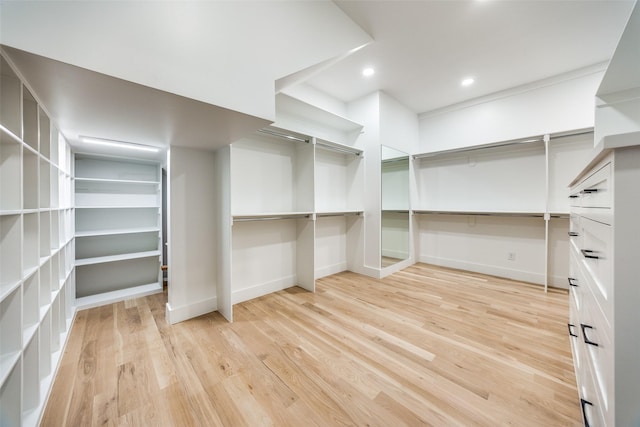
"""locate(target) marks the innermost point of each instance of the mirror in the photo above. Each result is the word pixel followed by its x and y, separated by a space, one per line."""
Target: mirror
pixel 395 206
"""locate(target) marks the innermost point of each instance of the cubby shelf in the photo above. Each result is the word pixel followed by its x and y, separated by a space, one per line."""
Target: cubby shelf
pixel 34 257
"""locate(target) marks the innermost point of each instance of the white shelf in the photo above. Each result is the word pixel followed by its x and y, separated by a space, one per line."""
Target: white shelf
pixel 114 258
pixel 116 232
pixel 288 105
pixel 115 169
pixel 119 207
pixel 119 295
pixel 116 181
pixel 11 332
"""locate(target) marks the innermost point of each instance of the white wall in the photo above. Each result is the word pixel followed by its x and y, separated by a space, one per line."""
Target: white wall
pixel 192 234
pixel 399 126
pixel 554 106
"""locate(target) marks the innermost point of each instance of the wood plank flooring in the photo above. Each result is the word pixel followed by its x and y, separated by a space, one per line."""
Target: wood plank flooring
pixel 425 346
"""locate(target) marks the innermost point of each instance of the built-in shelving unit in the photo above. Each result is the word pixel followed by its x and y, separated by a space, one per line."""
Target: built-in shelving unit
pixel 36 251
pixel 514 185
pixel 296 210
pixel 117 228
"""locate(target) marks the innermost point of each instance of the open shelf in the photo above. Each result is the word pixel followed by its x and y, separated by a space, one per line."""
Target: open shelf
pixel 10 101
pixel 45 134
pixel 118 295
pixel 108 245
pixel 45 234
pixel 45 184
pixel 10 394
pixel 29 179
pixel 31 376
pixel 339 181
pixel 11 343
pixel 111 193
pixel 113 274
pixel 30 241
pixel 117 231
pixel 10 172
pixel 271 174
pixel 10 252
pixel 103 220
pixel 271 255
pixel 300 116
pixel 30 119
pixel 31 307
pixel 115 258
pixel 107 168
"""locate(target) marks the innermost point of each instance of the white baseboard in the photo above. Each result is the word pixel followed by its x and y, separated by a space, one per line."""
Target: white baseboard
pixel 189 311
pixel 261 289
pixel 493 270
pixel 330 269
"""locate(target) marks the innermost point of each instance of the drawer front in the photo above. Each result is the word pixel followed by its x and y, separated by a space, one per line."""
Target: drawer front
pixel 596 252
pixel 577 283
pixel 592 409
pixel 598 349
pixel 575 235
pixel 595 191
pixel 575 340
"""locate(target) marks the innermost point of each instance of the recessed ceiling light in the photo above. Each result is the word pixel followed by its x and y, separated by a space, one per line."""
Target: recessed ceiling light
pixel 468 81
pixel 368 72
pixel 118 144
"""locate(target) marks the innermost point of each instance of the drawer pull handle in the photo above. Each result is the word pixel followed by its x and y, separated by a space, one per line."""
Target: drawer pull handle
pixel 571 325
pixel 573 196
pixel 588 253
pixel 571 283
pixel 573 234
pixel 589 190
pixel 584 335
pixel 583 404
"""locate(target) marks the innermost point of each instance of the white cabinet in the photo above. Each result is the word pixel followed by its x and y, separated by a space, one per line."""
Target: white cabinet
pixel 117 228
pixel 604 272
pixel 36 250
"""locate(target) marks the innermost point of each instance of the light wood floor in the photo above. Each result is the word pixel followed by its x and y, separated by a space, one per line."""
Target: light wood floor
pixel 426 346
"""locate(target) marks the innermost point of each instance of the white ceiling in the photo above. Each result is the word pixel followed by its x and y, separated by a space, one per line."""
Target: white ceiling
pixel 423 49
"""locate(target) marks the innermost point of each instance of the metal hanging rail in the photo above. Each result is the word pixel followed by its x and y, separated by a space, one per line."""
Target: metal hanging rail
pixel 327 214
pixel 512 142
pixel 340 148
pixel 269 217
pixel 283 135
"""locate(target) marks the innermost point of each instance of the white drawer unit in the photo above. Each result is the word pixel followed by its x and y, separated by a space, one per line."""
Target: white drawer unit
pixel 604 278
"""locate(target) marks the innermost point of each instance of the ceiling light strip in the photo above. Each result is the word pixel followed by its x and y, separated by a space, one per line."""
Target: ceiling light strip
pixel 118 144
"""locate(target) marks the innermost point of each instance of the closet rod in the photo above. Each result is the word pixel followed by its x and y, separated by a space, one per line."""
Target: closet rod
pixel 283 135
pixel 538 138
pixel 269 218
pixel 338 214
pixel 348 150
